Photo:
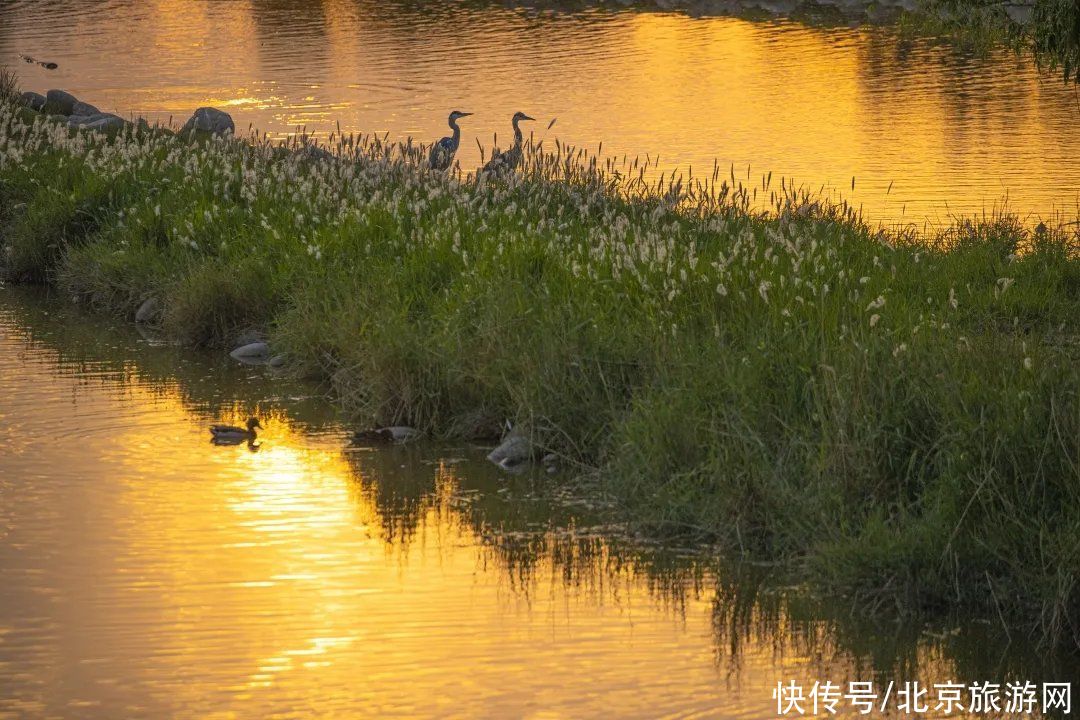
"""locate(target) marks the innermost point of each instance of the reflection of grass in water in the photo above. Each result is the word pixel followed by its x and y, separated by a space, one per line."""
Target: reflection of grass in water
pixel 896 409
pixel 532 537
pixel 533 532
pixel 209 384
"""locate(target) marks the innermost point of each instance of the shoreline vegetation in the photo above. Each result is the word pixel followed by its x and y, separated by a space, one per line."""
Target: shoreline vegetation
pixel 524 523
pixel 893 415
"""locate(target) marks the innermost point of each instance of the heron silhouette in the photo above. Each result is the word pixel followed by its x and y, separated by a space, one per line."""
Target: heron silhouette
pixel 442 152
pixel 508 160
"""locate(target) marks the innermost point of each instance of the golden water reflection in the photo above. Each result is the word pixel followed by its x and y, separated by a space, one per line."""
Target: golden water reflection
pixel 926 129
pixel 148 573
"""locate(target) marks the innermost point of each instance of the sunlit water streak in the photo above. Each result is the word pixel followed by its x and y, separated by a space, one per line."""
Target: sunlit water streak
pixel 949 132
pixel 147 573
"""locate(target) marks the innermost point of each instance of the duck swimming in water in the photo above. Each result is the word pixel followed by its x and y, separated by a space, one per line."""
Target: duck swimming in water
pixel 232 432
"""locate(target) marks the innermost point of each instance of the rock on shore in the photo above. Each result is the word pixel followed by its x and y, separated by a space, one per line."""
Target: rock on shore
pixel 33 100
pixel 98 121
pixel 84 109
pixel 211 120
pixel 61 102
pixel 85 116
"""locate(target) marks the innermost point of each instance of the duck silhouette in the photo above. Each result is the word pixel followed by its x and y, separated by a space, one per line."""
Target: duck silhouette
pixel 233 434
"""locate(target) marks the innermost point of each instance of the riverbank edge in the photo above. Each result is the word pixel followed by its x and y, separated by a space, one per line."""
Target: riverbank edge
pixel 649 452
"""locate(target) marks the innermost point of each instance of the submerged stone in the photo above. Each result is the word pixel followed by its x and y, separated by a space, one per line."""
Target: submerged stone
pixel 211 120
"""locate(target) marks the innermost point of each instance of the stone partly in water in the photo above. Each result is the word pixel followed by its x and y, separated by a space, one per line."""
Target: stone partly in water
pixel 82 109
pixel 60 102
pixel 149 310
pixel 33 100
pixel 252 353
pixel 394 433
pixel 277 362
pixel 515 450
pixel 211 120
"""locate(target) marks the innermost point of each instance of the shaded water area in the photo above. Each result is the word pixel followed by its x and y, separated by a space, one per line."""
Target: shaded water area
pixel 927 130
pixel 148 573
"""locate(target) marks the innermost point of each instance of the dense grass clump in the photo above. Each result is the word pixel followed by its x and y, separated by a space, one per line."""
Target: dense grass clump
pixel 899 414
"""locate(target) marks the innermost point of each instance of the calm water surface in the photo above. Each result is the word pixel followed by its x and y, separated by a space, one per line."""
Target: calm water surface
pixel 146 573
pixel 949 132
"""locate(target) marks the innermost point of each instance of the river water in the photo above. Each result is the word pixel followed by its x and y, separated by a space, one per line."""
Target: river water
pixel 927 131
pixel 146 573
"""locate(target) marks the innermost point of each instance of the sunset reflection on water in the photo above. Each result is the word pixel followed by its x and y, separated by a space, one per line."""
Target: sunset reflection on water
pixel 148 573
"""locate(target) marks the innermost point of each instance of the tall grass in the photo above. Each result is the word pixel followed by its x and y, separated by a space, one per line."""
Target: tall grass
pixel 897 414
pixel 9 84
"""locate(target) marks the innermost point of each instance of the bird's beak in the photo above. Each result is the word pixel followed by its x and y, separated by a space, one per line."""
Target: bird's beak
pixel 528 118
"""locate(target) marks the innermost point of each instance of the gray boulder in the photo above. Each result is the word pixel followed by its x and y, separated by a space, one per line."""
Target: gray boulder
pixel 251 353
pixel 81 109
pixel 211 120
pixel 101 121
pixel 33 100
pixel 61 102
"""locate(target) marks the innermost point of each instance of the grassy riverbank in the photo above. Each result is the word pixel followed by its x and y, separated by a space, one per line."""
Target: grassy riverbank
pixel 899 416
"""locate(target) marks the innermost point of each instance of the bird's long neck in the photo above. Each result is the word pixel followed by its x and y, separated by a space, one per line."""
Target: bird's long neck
pixel 517 133
pixel 456 129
